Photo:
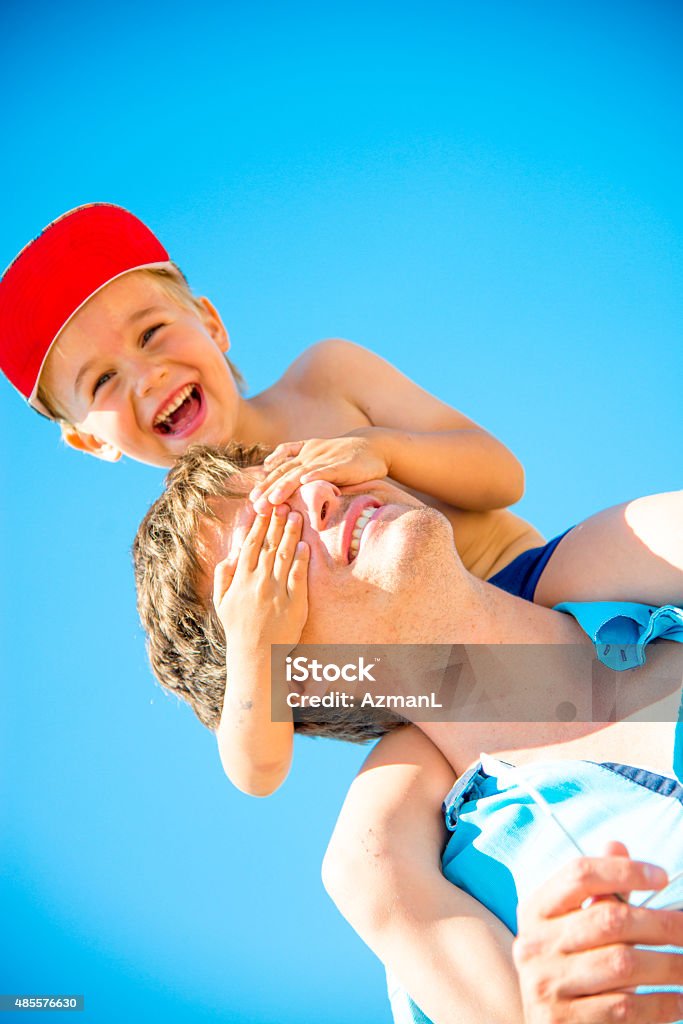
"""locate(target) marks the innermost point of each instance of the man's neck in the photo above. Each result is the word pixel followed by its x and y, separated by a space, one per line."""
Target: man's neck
pixel 536 664
pixel 465 610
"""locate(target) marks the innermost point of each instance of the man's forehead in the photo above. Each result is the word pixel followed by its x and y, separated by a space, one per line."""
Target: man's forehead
pixel 221 535
pixel 252 475
pixel 231 512
pixel 223 532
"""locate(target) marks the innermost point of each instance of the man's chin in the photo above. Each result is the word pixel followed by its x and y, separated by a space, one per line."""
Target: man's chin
pixel 402 546
pixel 391 582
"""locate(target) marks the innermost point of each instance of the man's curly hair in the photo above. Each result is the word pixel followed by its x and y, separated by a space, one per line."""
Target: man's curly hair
pixel 185 639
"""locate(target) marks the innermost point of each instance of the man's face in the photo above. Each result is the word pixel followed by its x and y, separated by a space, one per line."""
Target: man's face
pixel 375 552
pixel 140 374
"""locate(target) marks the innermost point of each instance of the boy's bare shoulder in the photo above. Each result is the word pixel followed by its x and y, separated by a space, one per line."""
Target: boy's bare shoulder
pixel 322 367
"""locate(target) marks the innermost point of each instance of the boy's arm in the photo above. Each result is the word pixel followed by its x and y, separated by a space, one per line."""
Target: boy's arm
pixel 261 599
pixel 256 752
pixel 425 443
pixel 383 870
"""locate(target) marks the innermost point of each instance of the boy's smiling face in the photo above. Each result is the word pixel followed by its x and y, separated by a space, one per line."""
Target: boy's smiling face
pixel 139 374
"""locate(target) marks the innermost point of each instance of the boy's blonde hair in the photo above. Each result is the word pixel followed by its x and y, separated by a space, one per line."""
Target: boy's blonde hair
pixel 185 639
pixel 175 284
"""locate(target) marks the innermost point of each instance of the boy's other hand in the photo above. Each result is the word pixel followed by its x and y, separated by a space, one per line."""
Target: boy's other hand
pixel 262 596
pixel 577 951
pixel 358 456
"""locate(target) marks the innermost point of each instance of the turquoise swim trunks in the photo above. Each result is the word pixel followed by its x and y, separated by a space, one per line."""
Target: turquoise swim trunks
pixel 504 844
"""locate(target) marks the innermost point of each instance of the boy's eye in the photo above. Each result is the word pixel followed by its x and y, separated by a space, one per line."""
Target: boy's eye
pixel 102 379
pixel 149 333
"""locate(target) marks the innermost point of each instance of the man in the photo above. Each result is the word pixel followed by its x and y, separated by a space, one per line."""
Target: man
pixel 580 962
pixel 406 584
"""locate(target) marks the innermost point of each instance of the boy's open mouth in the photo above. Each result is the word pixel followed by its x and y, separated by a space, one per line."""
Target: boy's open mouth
pixel 179 414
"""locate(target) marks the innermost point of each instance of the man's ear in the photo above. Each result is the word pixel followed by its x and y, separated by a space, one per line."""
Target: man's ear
pixel 90 444
pixel 214 324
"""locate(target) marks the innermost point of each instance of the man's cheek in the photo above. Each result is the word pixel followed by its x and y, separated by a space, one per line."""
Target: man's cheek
pixel 335 610
pixel 237 540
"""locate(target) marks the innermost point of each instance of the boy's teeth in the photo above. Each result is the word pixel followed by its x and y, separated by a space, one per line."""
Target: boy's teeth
pixel 173 405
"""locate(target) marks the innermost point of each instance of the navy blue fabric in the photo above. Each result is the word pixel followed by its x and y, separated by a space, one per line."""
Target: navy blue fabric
pixel 521 576
pixel 655 783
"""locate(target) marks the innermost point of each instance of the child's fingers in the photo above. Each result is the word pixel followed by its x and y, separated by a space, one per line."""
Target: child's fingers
pixel 283 451
pixel 283 489
pixel 274 473
pixel 302 474
pixel 271 480
pixel 297 581
pixel 341 473
pixel 275 464
pixel 251 549
pixel 345 471
pixel 287 548
pixel 334 473
pixel 271 542
pixel 223 576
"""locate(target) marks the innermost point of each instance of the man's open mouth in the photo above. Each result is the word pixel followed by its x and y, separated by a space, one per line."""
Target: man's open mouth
pixel 179 414
pixel 363 519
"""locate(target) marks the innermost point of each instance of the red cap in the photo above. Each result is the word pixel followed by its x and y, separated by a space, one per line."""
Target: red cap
pixel 57 272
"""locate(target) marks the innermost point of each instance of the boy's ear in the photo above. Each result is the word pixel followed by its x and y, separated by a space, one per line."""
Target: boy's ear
pixel 90 444
pixel 214 324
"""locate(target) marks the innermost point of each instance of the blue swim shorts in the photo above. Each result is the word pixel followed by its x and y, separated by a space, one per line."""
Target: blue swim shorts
pixel 621 630
pixel 504 845
pixel 521 576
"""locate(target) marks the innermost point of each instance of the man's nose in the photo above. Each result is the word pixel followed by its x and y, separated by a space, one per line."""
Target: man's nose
pixel 321 500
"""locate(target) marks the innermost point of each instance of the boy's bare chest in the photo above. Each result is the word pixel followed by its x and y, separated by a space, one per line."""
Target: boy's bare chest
pixel 321 417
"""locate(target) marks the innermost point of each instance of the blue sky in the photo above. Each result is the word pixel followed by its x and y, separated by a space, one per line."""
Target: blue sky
pixel 488 195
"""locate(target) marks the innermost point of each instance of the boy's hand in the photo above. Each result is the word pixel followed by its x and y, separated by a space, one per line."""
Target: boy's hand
pixel 352 459
pixel 578 952
pixel 262 596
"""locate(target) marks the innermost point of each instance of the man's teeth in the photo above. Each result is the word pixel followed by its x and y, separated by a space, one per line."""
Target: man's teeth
pixel 174 404
pixel 363 520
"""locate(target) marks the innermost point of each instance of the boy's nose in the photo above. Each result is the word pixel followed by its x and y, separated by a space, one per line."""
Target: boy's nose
pixel 321 500
pixel 147 378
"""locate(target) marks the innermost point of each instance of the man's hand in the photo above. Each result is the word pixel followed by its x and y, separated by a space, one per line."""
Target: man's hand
pixel 262 596
pixel 576 951
pixel 352 459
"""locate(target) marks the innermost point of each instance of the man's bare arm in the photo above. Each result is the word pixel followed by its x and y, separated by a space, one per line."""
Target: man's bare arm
pixel 383 870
